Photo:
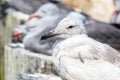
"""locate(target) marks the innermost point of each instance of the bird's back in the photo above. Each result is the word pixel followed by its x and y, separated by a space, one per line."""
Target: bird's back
pixel 104 33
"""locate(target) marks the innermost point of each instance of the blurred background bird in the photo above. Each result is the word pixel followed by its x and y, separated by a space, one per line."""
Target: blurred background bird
pixel 48 9
pixel 115 18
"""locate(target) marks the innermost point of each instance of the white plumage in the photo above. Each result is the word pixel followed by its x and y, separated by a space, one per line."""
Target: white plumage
pixel 82 58
pixel 78 57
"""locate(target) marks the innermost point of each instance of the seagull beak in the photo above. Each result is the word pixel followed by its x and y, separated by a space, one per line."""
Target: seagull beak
pixel 33 16
pixel 116 11
pixel 17 34
pixel 49 35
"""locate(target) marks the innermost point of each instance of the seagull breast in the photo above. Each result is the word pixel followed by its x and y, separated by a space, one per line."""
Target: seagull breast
pixel 82 58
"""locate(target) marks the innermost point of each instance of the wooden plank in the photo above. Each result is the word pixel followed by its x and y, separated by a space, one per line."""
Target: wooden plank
pixel 37 76
pixel 19 60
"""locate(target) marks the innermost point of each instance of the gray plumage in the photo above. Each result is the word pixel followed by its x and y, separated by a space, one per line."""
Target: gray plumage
pixel 33 41
pixel 42 26
pixel 48 9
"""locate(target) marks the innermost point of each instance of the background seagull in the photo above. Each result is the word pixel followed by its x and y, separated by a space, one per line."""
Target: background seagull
pixel 48 9
pixel 34 37
pixel 79 57
pixel 115 18
pixel 34 43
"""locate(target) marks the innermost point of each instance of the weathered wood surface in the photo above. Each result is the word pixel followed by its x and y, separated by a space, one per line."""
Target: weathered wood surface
pixel 5 37
pixel 5 34
pixel 18 60
pixel 37 76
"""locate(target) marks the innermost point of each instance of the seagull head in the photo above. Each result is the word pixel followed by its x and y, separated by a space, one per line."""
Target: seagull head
pixel 19 31
pixel 79 15
pixel 68 27
pixel 47 10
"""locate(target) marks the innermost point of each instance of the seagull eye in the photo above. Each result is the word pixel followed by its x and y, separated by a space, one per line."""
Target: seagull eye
pixel 70 27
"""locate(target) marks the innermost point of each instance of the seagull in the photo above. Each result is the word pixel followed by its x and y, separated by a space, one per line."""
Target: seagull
pixel 115 18
pixel 36 34
pixel 34 43
pixel 100 31
pixel 79 57
pixel 34 37
pixel 48 9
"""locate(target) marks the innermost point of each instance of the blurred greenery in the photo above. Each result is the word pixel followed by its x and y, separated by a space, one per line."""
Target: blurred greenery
pixel 1 50
pixel 1 63
pixel 1 53
pixel 5 32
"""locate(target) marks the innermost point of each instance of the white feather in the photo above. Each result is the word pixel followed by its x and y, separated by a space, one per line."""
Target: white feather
pixel 79 57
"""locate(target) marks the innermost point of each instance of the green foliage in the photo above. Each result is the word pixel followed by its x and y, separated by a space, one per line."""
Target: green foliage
pixel 1 63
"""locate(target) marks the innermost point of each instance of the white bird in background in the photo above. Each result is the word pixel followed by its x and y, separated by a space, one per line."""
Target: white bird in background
pixel 79 57
pixel 48 9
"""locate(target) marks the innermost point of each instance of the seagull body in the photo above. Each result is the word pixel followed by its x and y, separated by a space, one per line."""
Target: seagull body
pixel 32 40
pixel 82 58
pixel 79 57
pixel 104 33
pixel 34 43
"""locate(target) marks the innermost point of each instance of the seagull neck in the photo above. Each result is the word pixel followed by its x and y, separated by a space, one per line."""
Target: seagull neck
pixel 57 42
pixel 84 35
